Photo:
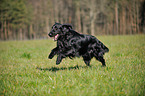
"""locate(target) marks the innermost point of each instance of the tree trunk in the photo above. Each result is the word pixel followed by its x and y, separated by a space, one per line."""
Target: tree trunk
pixel 116 16
pixel 2 34
pixel 56 12
pixel 47 25
pixel 5 30
pixel 123 21
pixel 69 19
pixel 24 34
pixel 30 31
pixel 79 20
pixel 92 22
pixel 92 17
pixel 92 28
pixel 33 32
pixel 9 31
pixel 84 26
pixel 14 34
pixel 129 21
pixel 137 13
pixel 20 33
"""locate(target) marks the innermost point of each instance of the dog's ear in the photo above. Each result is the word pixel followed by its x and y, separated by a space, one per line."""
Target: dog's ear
pixel 56 23
pixel 65 28
pixel 68 26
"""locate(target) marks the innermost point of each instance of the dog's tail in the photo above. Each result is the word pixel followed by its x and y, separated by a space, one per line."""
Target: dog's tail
pixel 106 49
pixel 101 51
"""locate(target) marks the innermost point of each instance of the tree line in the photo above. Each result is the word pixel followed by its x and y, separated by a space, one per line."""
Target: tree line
pixel 32 19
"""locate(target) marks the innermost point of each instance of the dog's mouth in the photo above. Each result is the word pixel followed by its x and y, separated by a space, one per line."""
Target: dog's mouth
pixel 56 37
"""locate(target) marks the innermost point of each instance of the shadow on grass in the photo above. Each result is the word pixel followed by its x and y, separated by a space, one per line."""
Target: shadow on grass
pixel 54 69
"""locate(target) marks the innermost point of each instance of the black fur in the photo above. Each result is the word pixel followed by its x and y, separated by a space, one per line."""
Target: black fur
pixel 71 44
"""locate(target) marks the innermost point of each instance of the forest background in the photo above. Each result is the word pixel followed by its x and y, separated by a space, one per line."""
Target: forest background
pixel 32 19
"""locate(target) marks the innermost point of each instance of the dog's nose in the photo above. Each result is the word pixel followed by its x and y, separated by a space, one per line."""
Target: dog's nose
pixel 50 34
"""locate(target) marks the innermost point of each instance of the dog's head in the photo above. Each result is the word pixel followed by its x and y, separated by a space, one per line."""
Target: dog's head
pixel 59 29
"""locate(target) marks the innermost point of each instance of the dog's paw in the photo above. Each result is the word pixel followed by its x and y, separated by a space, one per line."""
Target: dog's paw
pixel 57 62
pixel 50 56
pixel 103 65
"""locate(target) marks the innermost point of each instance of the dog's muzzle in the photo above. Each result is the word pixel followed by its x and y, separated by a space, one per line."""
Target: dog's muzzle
pixel 50 35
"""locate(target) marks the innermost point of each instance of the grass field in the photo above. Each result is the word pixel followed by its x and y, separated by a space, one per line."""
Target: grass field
pixel 26 70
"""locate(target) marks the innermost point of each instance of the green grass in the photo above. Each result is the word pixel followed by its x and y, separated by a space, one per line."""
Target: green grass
pixel 25 69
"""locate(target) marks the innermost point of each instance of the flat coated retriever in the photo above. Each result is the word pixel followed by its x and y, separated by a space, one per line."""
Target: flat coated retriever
pixel 72 44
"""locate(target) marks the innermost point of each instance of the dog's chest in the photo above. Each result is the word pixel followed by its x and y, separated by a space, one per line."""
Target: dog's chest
pixel 63 43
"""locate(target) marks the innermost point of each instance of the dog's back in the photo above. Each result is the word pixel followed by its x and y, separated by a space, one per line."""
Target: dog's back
pixel 83 43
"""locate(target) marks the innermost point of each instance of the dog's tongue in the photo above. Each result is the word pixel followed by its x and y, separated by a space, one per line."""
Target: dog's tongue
pixel 56 37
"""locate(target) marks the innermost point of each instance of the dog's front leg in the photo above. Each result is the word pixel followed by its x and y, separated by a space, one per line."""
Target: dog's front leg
pixel 59 58
pixel 53 52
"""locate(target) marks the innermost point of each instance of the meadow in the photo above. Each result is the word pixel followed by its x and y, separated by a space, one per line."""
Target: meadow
pixel 26 70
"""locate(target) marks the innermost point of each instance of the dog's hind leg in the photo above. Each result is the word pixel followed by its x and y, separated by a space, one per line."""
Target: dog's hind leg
pixel 101 59
pixel 87 60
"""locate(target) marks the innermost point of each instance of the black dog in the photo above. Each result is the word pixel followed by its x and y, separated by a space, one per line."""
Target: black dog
pixel 71 44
